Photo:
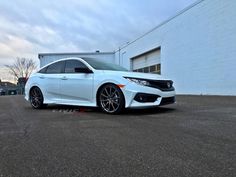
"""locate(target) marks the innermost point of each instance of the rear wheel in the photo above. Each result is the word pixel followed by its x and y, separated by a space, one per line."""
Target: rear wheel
pixel 36 98
pixel 111 99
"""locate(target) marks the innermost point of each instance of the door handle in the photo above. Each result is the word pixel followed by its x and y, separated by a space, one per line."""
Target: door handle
pixel 41 77
pixel 64 78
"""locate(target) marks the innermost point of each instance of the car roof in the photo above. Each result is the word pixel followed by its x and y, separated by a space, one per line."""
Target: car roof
pixel 83 59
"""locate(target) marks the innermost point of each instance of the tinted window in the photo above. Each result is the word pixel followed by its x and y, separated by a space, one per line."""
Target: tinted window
pixel 72 64
pixel 99 65
pixel 43 70
pixel 146 69
pixel 55 68
pixel 153 68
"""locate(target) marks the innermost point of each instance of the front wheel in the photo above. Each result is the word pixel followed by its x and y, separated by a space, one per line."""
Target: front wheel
pixel 36 98
pixel 111 99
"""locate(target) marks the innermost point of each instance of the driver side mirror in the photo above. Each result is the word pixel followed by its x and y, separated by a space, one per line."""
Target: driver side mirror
pixel 83 70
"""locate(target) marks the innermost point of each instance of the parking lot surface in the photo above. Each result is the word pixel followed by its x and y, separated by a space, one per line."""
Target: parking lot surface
pixel 195 137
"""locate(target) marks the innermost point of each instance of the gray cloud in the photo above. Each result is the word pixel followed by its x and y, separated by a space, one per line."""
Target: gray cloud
pixel 28 27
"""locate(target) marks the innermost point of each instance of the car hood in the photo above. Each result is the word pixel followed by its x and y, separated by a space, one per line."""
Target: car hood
pixel 135 75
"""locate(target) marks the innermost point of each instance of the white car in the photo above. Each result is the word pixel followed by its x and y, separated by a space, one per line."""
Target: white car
pixel 89 82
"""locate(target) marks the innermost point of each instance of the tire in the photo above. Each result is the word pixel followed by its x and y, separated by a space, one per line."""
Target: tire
pixel 36 98
pixel 111 99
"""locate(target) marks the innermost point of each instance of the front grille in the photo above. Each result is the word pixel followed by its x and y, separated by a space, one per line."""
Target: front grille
pixel 164 85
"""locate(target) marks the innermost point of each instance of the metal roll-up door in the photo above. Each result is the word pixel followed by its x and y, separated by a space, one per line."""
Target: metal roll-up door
pixel 147 62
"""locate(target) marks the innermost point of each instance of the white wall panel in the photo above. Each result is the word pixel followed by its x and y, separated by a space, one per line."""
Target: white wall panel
pixel 198 48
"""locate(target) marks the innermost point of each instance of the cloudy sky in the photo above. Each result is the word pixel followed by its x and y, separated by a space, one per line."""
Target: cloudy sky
pixel 28 27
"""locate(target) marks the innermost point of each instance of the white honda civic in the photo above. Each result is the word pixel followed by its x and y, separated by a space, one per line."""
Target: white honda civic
pixel 90 82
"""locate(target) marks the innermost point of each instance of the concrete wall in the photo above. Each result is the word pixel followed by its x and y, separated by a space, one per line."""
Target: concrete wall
pixel 50 57
pixel 198 48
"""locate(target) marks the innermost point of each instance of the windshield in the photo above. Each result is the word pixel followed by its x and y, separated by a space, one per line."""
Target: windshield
pixel 99 65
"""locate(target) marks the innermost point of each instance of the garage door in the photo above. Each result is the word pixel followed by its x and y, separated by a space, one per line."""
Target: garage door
pixel 148 62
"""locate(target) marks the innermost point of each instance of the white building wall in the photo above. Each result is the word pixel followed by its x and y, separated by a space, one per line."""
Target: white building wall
pixel 50 57
pixel 198 48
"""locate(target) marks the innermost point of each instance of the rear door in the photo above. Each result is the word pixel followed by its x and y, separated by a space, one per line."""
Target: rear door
pixel 76 87
pixel 50 80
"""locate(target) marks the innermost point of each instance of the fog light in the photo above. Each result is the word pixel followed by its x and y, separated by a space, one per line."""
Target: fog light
pixel 145 97
pixel 140 98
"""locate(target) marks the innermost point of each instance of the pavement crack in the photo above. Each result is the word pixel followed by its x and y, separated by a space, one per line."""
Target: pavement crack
pixel 26 130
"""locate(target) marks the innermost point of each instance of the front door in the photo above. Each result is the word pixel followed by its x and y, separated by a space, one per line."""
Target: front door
pixel 76 88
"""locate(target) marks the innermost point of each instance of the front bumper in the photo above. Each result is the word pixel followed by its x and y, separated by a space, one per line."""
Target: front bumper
pixel 168 100
pixel 132 91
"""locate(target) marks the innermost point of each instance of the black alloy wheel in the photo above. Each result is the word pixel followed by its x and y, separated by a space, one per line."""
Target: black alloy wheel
pixel 36 98
pixel 111 99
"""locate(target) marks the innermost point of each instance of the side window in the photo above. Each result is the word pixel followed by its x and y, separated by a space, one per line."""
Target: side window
pixel 56 67
pixel 72 64
pixel 43 70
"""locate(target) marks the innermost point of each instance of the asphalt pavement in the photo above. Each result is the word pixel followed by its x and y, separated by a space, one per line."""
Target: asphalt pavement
pixel 194 137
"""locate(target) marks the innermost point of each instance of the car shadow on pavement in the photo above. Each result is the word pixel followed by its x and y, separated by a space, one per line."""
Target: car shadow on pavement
pixel 146 111
pixel 92 110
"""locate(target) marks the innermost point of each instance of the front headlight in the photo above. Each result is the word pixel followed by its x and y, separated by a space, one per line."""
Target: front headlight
pixel 138 81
